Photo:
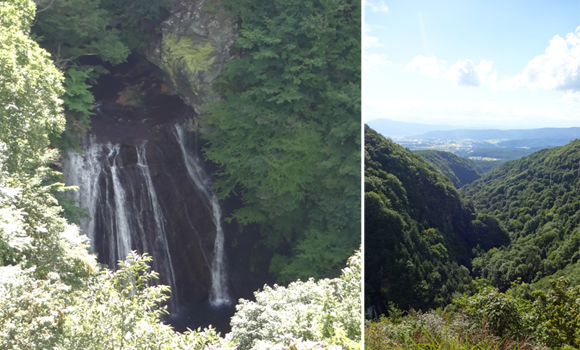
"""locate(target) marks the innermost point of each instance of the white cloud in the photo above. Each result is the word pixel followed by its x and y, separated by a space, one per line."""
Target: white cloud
pixel 425 65
pixel 463 73
pixel 466 73
pixel 371 41
pixel 376 7
pixel 366 27
pixel 571 97
pixel 557 69
pixel 374 60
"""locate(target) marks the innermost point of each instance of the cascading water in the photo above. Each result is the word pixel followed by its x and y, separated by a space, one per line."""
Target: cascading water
pixel 122 203
pixel 83 170
pixel 123 244
pixel 119 192
pixel 219 291
pixel 157 213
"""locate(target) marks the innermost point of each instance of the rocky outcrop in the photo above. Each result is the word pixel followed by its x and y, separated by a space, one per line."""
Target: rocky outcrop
pixel 194 48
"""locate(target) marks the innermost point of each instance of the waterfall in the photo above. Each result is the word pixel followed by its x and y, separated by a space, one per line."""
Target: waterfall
pixel 124 210
pixel 161 235
pixel 219 291
pixel 121 249
pixel 84 170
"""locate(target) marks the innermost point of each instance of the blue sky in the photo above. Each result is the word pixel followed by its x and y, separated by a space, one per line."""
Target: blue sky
pixel 503 64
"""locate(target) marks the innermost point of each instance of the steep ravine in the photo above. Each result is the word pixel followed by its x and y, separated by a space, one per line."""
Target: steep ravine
pixel 144 182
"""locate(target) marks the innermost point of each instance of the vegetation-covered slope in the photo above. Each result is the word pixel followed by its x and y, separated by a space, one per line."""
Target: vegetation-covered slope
pixel 537 199
pixel 287 133
pixel 419 233
pixel 459 170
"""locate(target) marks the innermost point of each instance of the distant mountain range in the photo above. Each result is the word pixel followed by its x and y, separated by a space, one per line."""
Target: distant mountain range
pixel 395 129
pixel 513 138
pixel 557 134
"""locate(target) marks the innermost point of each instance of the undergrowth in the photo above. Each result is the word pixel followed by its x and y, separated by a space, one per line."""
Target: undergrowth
pixel 432 331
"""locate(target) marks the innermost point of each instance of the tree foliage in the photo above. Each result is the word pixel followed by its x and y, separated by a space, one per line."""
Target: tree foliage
pixel 85 36
pixel 30 87
pixel 520 318
pixel 287 133
pixel 548 316
pixel 138 20
pixel 121 310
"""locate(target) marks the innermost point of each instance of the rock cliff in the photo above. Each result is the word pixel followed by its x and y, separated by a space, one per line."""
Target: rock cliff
pixel 193 48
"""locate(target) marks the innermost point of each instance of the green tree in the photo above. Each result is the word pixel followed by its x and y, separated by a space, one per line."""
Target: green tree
pixel 536 198
pixel 287 133
pixel 121 310
pixel 419 232
pixel 138 20
pixel 83 36
pixel 30 87
pixel 80 39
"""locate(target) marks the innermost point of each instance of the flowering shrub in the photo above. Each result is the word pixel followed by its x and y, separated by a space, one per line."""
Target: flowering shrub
pixel 320 314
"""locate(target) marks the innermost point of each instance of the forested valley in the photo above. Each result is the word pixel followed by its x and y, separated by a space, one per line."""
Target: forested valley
pixel 493 265
pixel 210 150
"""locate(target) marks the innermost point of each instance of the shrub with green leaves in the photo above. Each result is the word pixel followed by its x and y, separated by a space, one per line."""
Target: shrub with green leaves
pixel 434 331
pixel 33 233
pixel 550 317
pixel 121 310
pixel 320 313
pixel 558 314
pixel 497 311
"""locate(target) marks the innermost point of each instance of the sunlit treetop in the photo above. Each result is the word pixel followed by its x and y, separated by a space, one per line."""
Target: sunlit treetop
pixel 30 87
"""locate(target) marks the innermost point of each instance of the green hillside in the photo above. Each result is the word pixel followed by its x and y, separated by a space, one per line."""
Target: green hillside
pixel 526 294
pixel 459 170
pixel 419 233
pixel 483 166
pixel 537 198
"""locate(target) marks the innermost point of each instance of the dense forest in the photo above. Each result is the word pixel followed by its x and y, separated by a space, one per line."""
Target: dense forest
pixel 518 286
pixel 459 170
pixel 537 200
pixel 273 140
pixel 420 234
pixel 287 133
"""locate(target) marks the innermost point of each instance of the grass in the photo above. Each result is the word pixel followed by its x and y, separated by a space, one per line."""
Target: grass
pixel 432 332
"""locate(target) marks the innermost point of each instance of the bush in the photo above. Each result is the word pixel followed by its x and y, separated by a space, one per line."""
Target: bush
pixel 320 313
pixel 558 314
pixel 497 311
